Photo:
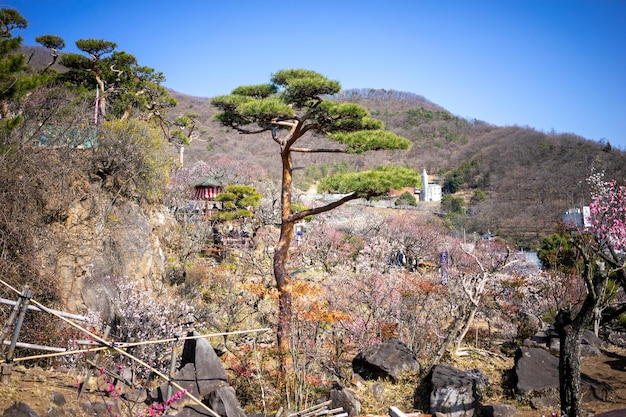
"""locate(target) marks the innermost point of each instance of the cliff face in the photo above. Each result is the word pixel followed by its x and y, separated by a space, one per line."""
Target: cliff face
pixel 100 244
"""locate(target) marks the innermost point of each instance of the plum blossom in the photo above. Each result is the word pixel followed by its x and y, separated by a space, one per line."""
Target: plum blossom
pixel 608 212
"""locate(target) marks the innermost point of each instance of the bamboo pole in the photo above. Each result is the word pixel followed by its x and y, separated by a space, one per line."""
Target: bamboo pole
pixel 123 352
pixel 99 346
pixel 33 346
pixel 174 339
pixel 63 313
pixel 52 355
pixel 316 407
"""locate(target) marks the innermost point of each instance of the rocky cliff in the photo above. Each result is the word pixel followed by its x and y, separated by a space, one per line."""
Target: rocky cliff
pixel 100 243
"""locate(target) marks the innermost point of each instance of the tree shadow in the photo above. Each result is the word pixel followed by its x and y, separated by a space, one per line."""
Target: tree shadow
pixel 617 362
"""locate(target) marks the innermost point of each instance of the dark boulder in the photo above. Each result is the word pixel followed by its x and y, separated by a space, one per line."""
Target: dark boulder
pixel 203 375
pixel 109 408
pixel 590 344
pixel 57 399
pixel 19 409
pixel 528 325
pixel 536 375
pixel 224 402
pixel 454 393
pixel 387 360
pixel 498 410
pixel 346 399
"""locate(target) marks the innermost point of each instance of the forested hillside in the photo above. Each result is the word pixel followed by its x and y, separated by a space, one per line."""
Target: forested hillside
pixel 515 181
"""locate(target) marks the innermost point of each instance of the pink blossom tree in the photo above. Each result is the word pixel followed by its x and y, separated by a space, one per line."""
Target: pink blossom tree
pixel 601 248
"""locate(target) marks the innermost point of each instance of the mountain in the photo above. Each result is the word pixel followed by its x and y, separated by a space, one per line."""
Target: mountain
pixel 516 181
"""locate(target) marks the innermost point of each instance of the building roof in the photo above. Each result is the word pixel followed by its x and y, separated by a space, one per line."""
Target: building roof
pixel 209 182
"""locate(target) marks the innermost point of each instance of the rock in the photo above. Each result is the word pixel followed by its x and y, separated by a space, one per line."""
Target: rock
pixel 389 359
pixel 590 344
pixel 554 344
pixel 454 392
pixel 536 374
pixel 200 353
pixel 192 411
pixel 201 370
pixel 599 390
pixel 498 410
pixel 88 249
pixel 527 325
pixel 19 409
pixel 203 375
pixel 57 399
pixel 56 412
pixel 537 380
pixel 616 338
pixel 535 370
pixel 377 389
pixel 224 402
pixel 587 351
pixel 346 399
pixel 110 408
pixel 135 395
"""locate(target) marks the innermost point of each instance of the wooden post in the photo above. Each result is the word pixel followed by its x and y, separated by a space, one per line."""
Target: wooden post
pixel 7 327
pixel 5 373
pixel 25 298
pixel 7 367
pixel 83 387
pixel 171 375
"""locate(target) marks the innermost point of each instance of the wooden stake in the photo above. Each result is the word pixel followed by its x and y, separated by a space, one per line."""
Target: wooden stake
pixel 5 373
pixel 94 366
pixel 171 374
pixel 24 300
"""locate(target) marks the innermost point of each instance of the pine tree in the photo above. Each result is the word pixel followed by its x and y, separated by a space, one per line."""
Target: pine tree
pixel 293 105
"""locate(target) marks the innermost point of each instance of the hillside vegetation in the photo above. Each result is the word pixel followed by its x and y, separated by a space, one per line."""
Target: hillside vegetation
pixel 525 178
pixel 521 179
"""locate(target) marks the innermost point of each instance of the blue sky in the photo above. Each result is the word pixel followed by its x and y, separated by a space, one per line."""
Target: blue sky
pixel 553 65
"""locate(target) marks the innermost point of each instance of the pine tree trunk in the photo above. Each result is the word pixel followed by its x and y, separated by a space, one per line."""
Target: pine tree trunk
pixel 281 256
pixel 284 304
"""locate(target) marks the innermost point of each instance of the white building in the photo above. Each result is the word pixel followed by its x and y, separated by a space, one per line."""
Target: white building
pixel 430 191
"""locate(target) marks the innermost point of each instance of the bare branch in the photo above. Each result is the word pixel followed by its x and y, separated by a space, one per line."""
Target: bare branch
pixel 317 210
pixel 319 150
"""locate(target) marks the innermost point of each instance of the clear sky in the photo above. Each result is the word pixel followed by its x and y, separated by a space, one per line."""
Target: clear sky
pixel 553 65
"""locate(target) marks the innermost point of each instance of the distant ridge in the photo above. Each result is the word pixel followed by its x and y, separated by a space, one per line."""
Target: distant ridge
pixel 528 178
pixel 515 181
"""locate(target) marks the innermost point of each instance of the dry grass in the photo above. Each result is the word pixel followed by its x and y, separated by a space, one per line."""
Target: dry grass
pixel 35 386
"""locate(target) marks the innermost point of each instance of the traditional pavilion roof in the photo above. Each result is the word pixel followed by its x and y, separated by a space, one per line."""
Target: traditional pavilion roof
pixel 208 182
